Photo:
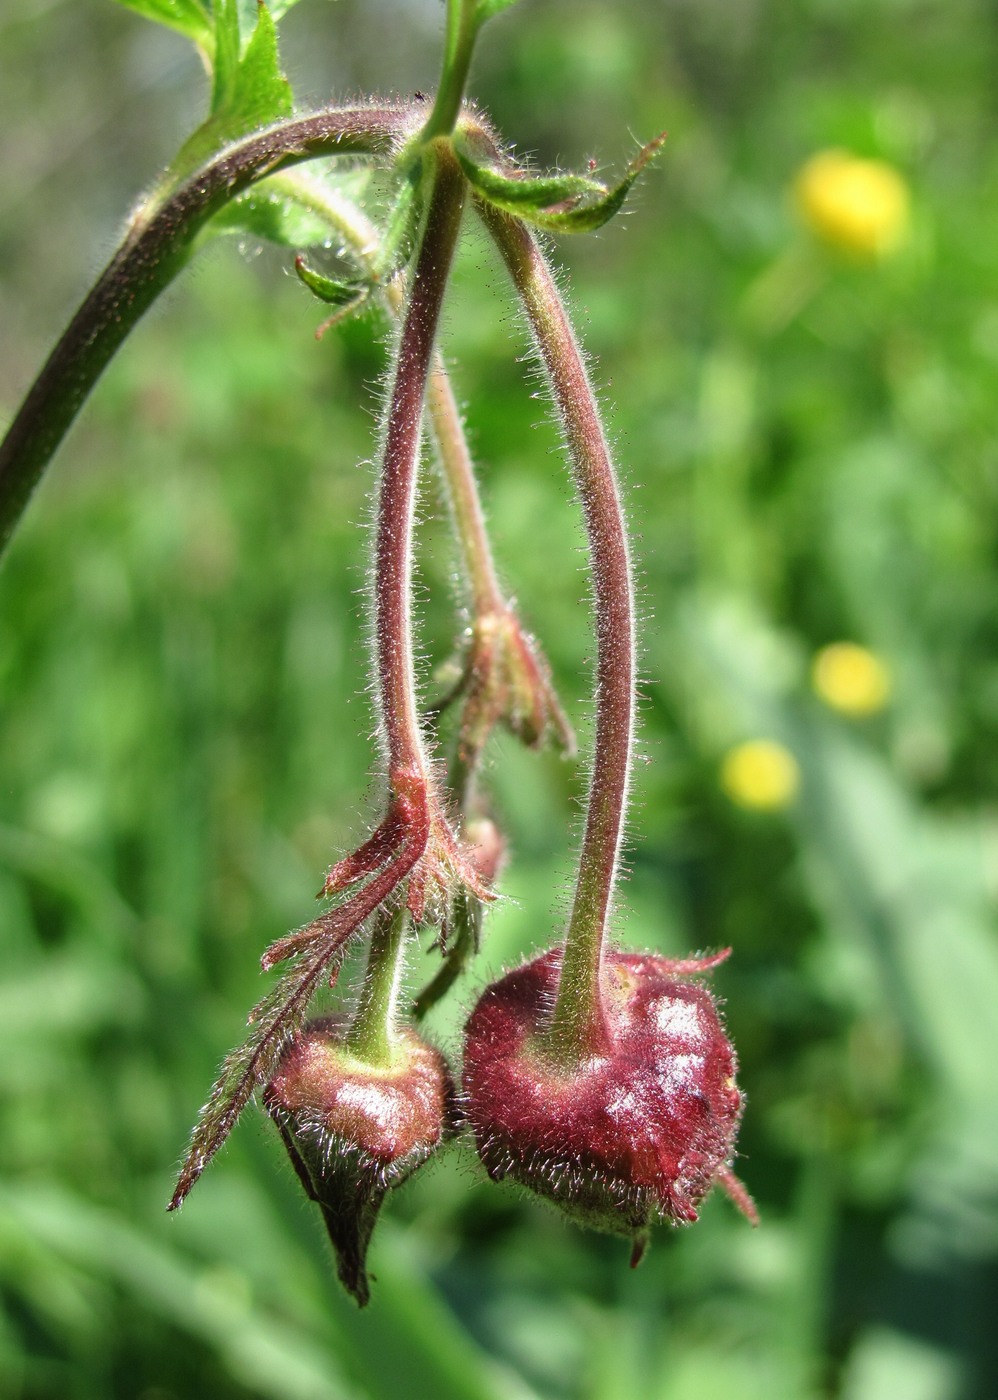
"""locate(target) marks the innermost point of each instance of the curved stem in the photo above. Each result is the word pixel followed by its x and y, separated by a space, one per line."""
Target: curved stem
pixel 154 251
pixel 397 495
pixel 373 1031
pixel 578 1026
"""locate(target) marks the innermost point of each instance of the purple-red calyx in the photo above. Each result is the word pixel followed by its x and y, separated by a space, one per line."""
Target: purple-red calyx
pixel 619 1139
pixel 354 1129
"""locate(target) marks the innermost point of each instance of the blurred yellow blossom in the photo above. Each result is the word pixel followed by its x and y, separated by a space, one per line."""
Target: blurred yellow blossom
pixel 851 679
pixel 858 206
pixel 761 774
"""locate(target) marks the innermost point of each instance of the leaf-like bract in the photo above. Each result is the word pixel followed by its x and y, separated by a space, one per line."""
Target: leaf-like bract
pixel 328 289
pixel 524 194
pixel 585 217
pixel 272 1021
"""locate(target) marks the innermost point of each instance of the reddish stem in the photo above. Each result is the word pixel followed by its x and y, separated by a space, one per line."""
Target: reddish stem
pixel 578 1025
pixel 397 497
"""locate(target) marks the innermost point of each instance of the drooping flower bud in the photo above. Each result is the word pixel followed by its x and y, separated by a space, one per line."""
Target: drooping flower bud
pixel 354 1130
pixel 621 1139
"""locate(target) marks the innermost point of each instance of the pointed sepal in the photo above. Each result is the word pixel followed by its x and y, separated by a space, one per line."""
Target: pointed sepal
pixel 346 297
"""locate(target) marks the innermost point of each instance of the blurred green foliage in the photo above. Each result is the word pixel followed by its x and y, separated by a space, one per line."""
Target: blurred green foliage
pixel 809 446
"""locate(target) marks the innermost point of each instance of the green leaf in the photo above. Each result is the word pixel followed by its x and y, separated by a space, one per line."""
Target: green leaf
pixel 249 90
pixel 189 17
pixel 228 50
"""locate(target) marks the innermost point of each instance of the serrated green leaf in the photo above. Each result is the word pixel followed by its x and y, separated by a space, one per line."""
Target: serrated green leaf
pixel 189 17
pixel 585 217
pixel 520 193
pixel 249 92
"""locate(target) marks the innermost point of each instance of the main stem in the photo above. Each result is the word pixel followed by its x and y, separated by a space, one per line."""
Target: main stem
pixel 578 1026
pixel 397 496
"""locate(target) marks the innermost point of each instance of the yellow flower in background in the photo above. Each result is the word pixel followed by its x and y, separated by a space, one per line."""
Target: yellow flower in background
pixel 851 679
pixel 761 774
pixel 861 207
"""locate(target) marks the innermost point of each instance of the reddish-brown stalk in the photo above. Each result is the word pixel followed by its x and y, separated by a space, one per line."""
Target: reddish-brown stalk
pixel 397 494
pixel 578 1024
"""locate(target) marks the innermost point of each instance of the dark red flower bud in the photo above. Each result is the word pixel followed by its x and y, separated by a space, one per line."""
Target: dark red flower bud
pixel 354 1130
pixel 623 1138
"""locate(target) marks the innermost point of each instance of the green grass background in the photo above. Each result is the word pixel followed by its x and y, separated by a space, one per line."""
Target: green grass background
pixel 185 726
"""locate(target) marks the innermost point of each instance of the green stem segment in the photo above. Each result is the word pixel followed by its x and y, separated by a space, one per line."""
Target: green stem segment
pixel 155 249
pixel 373 1034
pixel 397 495
pixel 578 1026
pixel 459 42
